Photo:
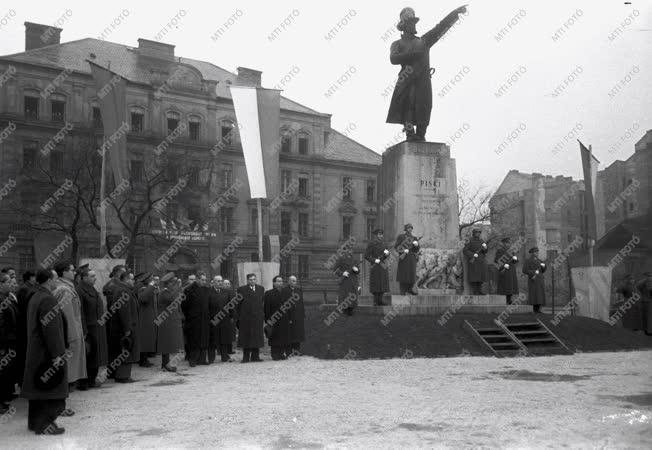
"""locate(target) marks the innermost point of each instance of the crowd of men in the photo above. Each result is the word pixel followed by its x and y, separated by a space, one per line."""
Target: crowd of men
pixel 57 331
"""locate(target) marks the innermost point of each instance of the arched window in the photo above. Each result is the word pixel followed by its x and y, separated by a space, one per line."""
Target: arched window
pixel 194 128
pixel 286 140
pixel 173 119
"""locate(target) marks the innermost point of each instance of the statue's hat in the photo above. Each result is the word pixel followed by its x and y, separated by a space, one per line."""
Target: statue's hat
pixel 406 15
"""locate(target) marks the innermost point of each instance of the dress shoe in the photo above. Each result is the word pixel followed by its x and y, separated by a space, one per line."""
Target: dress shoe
pixel 125 380
pixel 67 413
pixel 52 429
pixel 192 364
pixel 145 364
pixel 256 360
pixel 169 368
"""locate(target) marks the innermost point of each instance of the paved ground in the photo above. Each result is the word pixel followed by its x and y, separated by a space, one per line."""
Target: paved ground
pixel 596 400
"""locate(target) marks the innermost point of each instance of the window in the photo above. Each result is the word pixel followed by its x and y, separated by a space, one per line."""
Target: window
pixel 31 107
pixel 226 267
pixel 193 128
pixel 347 226
pixel 137 119
pixel 173 121
pixel 194 215
pixel 286 222
pixel 286 180
pixel 58 110
pixel 226 220
pixel 227 176
pixel 227 128
pixel 137 171
pixel 193 177
pixel 326 138
pixel 286 266
pixel 303 269
pixel 26 261
pixel 303 186
pixel 97 117
pixel 286 142
pixel 304 142
pixel 56 160
pixel 371 190
pixel 371 226
pixel 303 224
pixel 346 188
pixel 631 206
pixel 30 150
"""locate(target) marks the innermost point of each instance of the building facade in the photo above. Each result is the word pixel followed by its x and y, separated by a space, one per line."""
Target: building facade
pixel 179 112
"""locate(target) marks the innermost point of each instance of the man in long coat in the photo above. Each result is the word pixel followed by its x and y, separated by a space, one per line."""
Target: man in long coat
pixel 94 317
pixel 107 291
pixel 407 247
pixel 534 268
pixel 411 102
pixel 46 344
pixel 293 295
pixel 505 260
pixel 221 321
pixel 9 341
pixel 197 321
pixel 475 251
pixel 229 287
pixel 346 268
pixel 376 254
pixel 147 293
pixel 70 304
pixel 249 319
pixel 124 342
pixel 632 316
pixel 645 289
pixel 169 336
pixel 277 320
pixel 23 295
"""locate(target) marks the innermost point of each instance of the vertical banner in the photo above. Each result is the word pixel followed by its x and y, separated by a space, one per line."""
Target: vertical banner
pixel 257 111
pixel 590 169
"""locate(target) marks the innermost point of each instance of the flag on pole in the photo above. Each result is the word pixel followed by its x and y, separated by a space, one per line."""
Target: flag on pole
pixel 112 97
pixel 590 169
pixel 257 112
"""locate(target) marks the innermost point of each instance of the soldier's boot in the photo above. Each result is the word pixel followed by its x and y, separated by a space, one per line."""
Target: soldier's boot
pixel 420 135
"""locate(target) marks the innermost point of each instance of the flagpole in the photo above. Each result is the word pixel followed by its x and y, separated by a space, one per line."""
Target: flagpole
pixel 102 205
pixel 260 230
pixel 591 241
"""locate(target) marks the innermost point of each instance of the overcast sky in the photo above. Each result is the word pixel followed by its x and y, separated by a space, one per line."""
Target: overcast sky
pixel 533 108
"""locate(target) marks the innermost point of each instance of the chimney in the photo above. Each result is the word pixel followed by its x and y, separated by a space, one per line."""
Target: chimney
pixel 248 77
pixel 155 49
pixel 38 35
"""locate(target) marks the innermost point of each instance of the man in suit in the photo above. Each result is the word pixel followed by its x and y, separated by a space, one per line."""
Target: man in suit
pixel 475 252
pixel 46 344
pixel 293 295
pixel 376 254
pixel 277 327
pixel 250 317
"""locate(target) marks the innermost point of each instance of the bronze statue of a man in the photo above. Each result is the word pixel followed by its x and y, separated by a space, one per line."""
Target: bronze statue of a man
pixel 412 99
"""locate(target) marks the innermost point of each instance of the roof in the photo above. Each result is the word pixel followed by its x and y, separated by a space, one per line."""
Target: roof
pixel 619 235
pixel 129 63
pixel 516 181
pixel 343 148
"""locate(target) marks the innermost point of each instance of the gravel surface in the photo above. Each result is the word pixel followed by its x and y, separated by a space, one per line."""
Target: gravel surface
pixel 582 401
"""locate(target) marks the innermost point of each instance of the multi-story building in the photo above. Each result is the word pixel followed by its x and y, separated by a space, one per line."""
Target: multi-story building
pixel 49 110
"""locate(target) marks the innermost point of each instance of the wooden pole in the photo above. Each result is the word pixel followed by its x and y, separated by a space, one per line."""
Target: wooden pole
pixel 260 230
pixel 102 205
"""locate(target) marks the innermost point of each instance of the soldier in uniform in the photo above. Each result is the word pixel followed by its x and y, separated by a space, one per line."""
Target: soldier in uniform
pixel 506 262
pixel 347 269
pixel 475 252
pixel 534 268
pixel 376 254
pixel 407 247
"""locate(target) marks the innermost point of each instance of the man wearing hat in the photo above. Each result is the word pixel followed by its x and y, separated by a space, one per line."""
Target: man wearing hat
pixel 346 267
pixel 412 99
pixel 645 288
pixel 147 294
pixel 45 380
pixel 407 247
pixel 123 329
pixel 93 309
pixel 475 251
pixel 505 262
pixel 169 336
pixel 196 312
pixel 534 268
pixel 376 254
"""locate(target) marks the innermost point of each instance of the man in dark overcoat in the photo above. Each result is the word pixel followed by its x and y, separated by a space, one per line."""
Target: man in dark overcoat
pixel 46 345
pixel 95 319
pixel 197 320
pixel 534 268
pixel 169 335
pixel 221 321
pixel 346 268
pixel 407 247
pixel 474 252
pixel 124 347
pixel 644 287
pixel 505 261
pixel 23 295
pixel 147 293
pixel 292 294
pixel 250 318
pixel 376 254
pixel 277 321
pixel 9 338
pixel 411 102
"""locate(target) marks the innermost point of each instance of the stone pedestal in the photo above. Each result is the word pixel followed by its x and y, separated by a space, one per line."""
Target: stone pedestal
pixel 265 272
pixel 418 185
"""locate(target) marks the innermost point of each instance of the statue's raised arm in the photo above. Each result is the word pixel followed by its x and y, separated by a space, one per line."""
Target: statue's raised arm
pixel 412 98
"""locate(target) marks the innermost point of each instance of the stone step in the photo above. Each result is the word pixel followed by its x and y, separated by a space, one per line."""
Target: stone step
pixel 431 310
pixel 451 301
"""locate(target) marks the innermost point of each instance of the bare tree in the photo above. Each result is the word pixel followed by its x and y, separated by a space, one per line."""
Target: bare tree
pixel 473 205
